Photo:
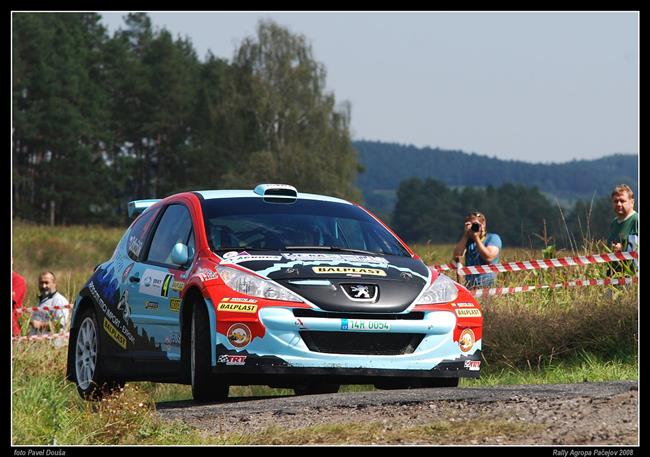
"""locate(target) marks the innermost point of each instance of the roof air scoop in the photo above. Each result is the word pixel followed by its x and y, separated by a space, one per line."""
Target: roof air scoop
pixel 274 192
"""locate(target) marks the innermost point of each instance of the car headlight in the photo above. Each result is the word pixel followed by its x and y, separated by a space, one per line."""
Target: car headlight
pixel 443 290
pixel 254 286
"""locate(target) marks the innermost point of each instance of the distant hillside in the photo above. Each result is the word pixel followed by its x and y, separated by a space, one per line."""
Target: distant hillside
pixel 387 164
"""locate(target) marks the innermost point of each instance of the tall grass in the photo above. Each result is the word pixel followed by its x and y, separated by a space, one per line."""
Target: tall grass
pixel 542 336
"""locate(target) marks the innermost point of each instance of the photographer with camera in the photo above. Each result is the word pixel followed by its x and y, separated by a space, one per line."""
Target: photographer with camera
pixel 479 248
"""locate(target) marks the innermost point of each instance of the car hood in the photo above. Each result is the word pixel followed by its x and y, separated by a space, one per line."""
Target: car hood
pixel 342 282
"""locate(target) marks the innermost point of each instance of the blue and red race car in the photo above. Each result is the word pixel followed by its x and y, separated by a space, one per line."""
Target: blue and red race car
pixel 268 286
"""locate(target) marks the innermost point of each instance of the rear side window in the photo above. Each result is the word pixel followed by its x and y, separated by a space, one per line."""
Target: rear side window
pixel 138 233
pixel 175 227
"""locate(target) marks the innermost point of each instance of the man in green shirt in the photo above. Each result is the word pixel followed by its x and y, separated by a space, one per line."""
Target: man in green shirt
pixel 624 229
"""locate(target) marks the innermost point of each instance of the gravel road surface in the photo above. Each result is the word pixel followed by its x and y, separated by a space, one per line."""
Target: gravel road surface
pixel 549 414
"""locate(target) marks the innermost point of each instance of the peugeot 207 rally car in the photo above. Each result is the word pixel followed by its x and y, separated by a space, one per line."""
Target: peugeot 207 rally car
pixel 268 286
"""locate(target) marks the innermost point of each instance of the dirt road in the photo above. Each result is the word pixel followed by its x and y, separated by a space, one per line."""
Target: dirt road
pixel 558 414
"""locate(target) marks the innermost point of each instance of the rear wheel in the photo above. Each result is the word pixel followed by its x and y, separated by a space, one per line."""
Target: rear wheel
pixel 91 382
pixel 315 389
pixel 205 387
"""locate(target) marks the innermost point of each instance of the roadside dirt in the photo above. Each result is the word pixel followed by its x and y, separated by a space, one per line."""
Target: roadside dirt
pixel 560 414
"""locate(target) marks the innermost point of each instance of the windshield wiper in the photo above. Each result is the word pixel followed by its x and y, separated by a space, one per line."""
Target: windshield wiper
pixel 331 249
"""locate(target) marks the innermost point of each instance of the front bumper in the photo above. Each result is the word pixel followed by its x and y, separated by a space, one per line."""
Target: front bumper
pixel 284 348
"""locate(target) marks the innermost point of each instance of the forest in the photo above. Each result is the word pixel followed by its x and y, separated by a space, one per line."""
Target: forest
pixel 99 120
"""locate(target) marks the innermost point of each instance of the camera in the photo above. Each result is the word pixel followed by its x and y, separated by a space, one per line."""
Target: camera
pixel 476 227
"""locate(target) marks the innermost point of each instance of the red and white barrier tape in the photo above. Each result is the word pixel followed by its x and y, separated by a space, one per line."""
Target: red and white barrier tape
pixel 564 285
pixel 42 308
pixel 540 264
pixel 44 336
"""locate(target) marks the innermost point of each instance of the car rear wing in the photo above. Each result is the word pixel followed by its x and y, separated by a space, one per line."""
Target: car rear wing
pixel 138 206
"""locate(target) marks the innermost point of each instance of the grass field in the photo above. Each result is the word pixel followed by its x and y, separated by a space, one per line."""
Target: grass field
pixel 536 337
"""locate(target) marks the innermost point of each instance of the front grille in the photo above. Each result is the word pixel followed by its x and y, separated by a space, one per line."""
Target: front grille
pixel 358 343
pixel 415 316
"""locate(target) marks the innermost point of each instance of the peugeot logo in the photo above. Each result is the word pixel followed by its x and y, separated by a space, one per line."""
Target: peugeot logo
pixel 361 292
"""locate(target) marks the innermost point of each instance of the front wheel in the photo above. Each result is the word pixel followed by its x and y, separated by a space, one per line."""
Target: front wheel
pixel 91 383
pixel 205 388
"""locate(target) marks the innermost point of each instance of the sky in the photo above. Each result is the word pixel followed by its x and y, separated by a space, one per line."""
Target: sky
pixel 534 86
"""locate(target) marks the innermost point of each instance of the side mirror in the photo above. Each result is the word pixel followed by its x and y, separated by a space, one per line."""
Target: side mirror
pixel 180 254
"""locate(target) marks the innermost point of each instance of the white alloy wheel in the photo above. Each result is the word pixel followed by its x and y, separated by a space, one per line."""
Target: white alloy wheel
pixel 86 353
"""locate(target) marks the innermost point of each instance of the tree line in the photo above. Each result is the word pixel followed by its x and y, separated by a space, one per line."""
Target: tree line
pixel 429 211
pixel 100 120
pixel 569 181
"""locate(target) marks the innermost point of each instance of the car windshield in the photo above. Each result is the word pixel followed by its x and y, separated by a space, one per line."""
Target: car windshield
pixel 256 224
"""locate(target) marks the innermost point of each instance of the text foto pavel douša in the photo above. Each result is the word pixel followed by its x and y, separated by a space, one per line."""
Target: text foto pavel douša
pixel 39 452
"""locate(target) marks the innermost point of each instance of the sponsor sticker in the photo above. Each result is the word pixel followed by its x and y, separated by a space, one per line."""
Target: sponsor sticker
pixel 175 304
pixel 365 325
pixel 135 245
pixel 465 305
pixel 150 305
pixel 239 299
pixel 466 340
pixel 473 365
pixel 468 312
pixel 114 333
pixel 349 270
pixel 252 258
pixel 153 281
pixel 178 286
pixel 164 290
pixel 237 307
pixel 232 359
pixel 308 257
pixel 239 335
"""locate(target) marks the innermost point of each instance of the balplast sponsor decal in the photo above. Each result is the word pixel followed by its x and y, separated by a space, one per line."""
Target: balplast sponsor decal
pixel 109 314
pixel 473 365
pixel 468 312
pixel 237 307
pixel 114 333
pixel 349 271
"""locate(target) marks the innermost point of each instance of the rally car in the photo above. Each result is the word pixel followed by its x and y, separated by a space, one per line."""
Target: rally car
pixel 268 286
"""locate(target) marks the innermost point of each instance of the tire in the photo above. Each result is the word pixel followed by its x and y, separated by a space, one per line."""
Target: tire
pixel 315 389
pixel 205 388
pixel 92 385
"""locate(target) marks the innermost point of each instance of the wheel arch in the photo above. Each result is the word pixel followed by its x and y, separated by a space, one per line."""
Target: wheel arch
pixel 192 296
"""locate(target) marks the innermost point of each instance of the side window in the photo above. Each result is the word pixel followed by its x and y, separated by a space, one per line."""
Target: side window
pixel 175 227
pixel 138 233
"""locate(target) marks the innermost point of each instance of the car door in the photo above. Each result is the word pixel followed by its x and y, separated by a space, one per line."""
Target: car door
pixel 155 284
